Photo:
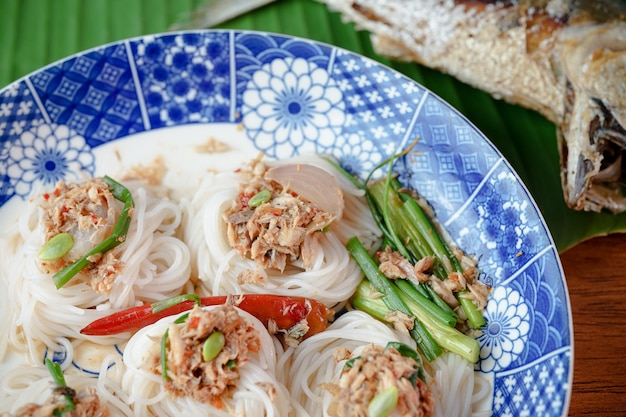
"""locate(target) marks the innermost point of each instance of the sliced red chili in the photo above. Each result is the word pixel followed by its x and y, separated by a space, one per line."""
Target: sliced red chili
pixel 284 311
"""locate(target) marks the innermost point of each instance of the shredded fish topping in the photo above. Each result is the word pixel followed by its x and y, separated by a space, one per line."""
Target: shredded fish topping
pixel 375 370
pixel 278 231
pixel 87 404
pixel 207 381
pixel 87 211
pixel 394 266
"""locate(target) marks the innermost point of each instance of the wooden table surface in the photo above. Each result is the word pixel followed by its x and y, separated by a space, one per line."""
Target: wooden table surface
pixel 596 273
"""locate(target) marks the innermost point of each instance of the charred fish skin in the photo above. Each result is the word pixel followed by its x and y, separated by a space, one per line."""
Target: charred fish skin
pixel 592 137
pixel 565 59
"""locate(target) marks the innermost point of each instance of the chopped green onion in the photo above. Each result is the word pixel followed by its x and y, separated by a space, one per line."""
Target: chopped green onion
pixel 180 319
pixel 172 301
pixel 378 218
pixel 408 352
pixel 231 364
pixel 212 346
pixel 404 350
pixel 59 380
pixel 350 362
pixel 56 372
pixel 383 403
pixel 260 198
pixel 345 173
pixel 57 247
pixel 117 237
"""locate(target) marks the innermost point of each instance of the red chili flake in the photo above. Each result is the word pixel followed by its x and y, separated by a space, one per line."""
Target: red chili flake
pixel 46 196
pixel 217 402
pixel 193 322
pixel 244 199
pixel 57 192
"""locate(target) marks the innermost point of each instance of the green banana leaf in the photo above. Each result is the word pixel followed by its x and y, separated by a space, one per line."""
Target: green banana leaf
pixel 35 33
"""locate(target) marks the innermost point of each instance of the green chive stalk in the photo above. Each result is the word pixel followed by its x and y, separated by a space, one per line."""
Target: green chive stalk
pixel 421 234
pixel 59 380
pixel 445 315
pixel 446 337
pixel 159 306
pixel 391 297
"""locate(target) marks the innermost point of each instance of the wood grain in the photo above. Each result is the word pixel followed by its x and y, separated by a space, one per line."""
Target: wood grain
pixel 596 275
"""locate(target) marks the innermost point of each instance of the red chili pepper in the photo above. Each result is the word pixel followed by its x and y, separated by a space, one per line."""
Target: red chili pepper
pixel 285 311
pixel 244 198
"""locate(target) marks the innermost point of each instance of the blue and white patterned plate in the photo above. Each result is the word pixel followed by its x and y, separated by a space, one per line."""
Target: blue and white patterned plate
pixel 160 96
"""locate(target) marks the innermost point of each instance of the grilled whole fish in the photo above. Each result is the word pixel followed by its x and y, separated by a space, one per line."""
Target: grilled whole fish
pixel 565 59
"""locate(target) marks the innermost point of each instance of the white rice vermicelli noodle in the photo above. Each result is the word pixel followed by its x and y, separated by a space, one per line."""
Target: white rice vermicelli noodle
pixel 176 247
pixel 454 378
pixel 147 396
pixel 332 276
pixel 451 378
pixel 9 241
pixel 25 385
pixel 313 361
pixel 156 266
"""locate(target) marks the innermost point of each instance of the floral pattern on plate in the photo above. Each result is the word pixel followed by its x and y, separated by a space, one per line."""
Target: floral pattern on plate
pixel 289 102
pixel 47 154
pixel 185 78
